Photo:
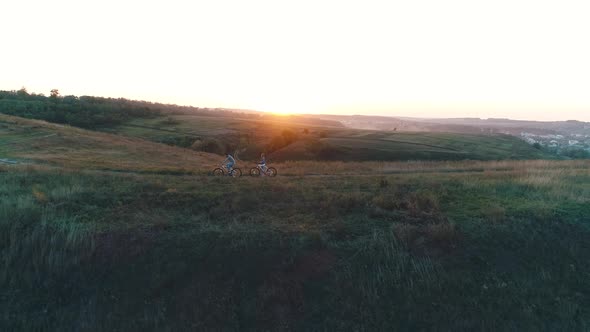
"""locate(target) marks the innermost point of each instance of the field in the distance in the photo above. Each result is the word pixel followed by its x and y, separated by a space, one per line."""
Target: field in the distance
pixel 247 133
pixel 101 232
pixel 251 136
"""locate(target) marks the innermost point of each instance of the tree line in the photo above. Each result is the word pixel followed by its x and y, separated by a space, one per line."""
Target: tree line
pixel 88 111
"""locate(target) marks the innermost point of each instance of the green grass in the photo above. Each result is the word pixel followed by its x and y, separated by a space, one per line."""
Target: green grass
pixel 435 146
pixel 253 135
pixel 501 249
pixel 100 232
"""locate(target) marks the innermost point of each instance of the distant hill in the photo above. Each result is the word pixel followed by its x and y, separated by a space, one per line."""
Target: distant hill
pixel 350 146
pixel 568 139
pixel 245 134
pixel 461 125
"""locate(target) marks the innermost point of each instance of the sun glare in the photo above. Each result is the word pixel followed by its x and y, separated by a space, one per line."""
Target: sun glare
pixel 282 113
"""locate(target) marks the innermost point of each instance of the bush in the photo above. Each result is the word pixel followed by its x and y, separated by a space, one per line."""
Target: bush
pixel 288 137
pixel 211 145
pixel 169 121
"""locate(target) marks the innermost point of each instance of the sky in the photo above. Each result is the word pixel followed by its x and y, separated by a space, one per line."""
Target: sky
pixel 519 59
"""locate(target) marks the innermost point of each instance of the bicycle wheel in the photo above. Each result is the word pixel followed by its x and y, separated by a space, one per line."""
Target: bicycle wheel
pixel 271 171
pixel 254 171
pixel 218 172
pixel 236 172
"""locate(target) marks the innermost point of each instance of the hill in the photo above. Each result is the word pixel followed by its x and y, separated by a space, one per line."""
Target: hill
pixel 460 125
pixel 106 232
pixel 412 146
pixel 568 139
pixel 284 138
pixel 247 134
pixel 94 112
pixel 35 141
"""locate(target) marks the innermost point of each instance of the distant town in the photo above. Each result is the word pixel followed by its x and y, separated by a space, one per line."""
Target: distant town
pixel 565 138
pixel 559 143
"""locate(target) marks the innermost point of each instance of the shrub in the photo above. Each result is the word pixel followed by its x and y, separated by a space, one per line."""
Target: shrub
pixel 211 145
pixel 169 121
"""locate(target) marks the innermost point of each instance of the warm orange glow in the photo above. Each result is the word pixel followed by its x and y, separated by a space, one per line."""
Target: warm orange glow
pixel 282 114
pixel 504 58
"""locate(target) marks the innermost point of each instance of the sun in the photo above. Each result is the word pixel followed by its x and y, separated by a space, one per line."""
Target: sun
pixel 281 110
pixel 282 113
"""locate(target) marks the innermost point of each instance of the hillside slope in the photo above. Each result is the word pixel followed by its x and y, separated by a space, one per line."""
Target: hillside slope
pixel 316 142
pixel 293 137
pixel 387 146
pixel 42 142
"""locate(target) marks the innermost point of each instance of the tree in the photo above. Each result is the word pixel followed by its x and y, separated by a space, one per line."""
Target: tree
pixel 54 93
pixel 22 92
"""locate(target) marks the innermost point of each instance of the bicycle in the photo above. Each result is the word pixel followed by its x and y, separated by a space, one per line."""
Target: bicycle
pixel 222 170
pixel 257 171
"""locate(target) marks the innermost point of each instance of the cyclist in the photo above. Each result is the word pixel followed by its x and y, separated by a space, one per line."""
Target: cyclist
pixel 262 163
pixel 230 163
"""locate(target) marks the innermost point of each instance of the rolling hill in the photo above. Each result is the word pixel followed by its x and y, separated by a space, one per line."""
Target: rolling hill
pixel 110 232
pixel 318 142
pixel 247 133
pixel 35 141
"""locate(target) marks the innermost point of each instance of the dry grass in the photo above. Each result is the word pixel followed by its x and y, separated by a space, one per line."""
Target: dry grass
pixel 300 168
pixel 78 148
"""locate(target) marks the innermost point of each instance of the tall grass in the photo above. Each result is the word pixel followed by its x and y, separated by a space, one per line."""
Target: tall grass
pixel 500 247
pixel 299 168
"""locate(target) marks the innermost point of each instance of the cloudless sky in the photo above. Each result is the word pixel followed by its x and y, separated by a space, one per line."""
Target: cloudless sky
pixel 521 59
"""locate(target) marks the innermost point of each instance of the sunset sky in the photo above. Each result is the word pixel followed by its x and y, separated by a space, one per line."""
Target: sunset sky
pixel 516 59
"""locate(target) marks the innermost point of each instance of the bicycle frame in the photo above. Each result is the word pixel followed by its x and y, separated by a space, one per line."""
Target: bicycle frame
pixel 259 166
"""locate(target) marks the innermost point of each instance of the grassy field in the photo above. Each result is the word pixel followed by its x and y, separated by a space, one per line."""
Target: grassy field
pixel 100 232
pixel 430 246
pixel 252 136
pixel 34 141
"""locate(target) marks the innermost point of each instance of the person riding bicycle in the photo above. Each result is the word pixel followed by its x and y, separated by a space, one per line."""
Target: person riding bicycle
pixel 262 163
pixel 230 163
